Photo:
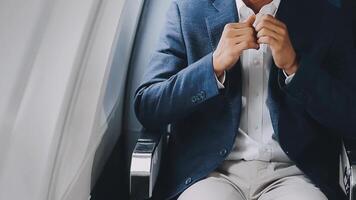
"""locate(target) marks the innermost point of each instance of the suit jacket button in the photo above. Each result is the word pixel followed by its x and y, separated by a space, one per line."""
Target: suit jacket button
pixel 188 181
pixel 194 99
pixel 203 94
pixel 223 152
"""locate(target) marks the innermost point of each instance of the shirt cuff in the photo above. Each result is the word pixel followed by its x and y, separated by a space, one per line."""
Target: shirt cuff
pixel 220 81
pixel 289 78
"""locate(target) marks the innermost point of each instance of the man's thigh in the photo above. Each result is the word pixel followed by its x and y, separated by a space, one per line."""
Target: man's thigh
pixel 214 187
pixel 292 188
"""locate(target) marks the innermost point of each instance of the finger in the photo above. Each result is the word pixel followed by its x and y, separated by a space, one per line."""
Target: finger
pixel 250 20
pixel 268 32
pixel 244 46
pixel 267 40
pixel 268 24
pixel 248 23
pixel 231 26
pixel 244 38
pixel 273 20
pixel 240 32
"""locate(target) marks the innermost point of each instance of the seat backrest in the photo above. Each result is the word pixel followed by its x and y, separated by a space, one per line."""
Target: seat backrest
pixel 113 101
pixel 151 24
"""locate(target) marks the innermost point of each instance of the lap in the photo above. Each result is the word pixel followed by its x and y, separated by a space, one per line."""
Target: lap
pixel 271 183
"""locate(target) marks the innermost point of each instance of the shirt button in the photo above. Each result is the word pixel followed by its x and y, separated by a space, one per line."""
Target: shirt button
pixel 256 62
pixel 188 181
pixel 223 152
pixel 257 127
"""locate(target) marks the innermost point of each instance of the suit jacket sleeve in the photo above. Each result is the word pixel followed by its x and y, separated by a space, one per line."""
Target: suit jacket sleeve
pixel 171 88
pixel 327 88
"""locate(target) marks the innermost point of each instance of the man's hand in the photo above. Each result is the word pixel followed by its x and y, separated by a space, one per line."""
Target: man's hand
pixel 235 38
pixel 275 33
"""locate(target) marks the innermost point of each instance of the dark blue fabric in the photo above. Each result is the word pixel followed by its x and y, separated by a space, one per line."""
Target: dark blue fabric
pixel 310 115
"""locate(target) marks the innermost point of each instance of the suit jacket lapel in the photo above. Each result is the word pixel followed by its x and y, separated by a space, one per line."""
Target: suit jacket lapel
pixel 286 12
pixel 297 16
pixel 299 20
pixel 225 12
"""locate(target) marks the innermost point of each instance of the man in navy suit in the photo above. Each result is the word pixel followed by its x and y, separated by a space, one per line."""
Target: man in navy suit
pixel 258 93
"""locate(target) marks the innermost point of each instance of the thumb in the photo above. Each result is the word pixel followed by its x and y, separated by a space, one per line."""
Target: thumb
pixel 251 20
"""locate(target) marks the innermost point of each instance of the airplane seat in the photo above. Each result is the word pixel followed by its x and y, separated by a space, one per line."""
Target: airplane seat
pixel 152 21
pixel 150 26
pixel 113 182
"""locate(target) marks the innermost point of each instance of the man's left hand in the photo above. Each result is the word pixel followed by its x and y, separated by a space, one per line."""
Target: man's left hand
pixel 275 33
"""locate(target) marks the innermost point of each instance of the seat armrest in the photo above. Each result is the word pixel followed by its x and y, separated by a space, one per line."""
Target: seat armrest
pixel 145 163
pixel 348 167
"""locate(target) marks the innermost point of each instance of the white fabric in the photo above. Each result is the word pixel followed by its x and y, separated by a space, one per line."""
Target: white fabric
pixel 254 180
pixel 221 80
pixel 54 81
pixel 288 77
pixel 254 140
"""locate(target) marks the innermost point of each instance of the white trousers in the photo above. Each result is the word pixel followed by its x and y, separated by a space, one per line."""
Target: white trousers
pixel 254 180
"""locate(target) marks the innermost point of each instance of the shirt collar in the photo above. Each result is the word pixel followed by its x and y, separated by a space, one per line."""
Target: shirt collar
pixel 244 11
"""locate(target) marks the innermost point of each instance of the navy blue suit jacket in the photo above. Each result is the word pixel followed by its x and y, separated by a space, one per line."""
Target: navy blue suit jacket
pixel 310 115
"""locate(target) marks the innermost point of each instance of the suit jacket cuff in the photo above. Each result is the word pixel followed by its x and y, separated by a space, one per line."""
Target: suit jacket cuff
pixel 289 78
pixel 299 86
pixel 203 79
pixel 220 81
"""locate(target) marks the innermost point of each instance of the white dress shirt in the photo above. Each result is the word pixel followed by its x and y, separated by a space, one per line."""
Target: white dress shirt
pixel 254 139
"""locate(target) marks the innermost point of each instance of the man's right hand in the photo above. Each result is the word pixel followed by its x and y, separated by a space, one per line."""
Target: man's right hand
pixel 235 38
